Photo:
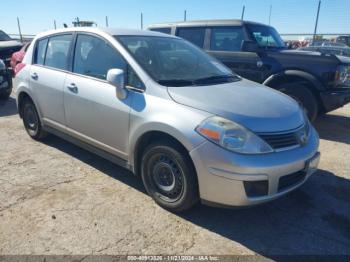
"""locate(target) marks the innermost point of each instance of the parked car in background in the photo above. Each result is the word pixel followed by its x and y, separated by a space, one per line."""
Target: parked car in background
pixel 257 52
pixel 17 57
pixel 326 44
pixel 5 81
pixel 167 111
pixel 345 39
pixel 7 47
pixel 328 50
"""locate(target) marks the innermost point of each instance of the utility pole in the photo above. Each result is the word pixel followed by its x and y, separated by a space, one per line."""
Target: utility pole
pixel 318 14
pixel 270 14
pixel 243 10
pixel 107 21
pixel 185 15
pixel 19 30
pixel 141 21
pixel 54 24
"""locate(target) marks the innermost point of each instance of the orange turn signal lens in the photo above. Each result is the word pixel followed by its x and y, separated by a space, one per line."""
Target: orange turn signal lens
pixel 215 135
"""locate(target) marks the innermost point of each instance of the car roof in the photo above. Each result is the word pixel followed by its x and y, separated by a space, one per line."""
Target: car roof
pixel 199 23
pixel 109 30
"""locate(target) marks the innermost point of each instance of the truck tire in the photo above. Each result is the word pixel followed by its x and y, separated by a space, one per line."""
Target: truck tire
pixel 303 96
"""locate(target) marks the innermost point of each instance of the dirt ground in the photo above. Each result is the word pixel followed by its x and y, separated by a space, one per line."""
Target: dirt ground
pixel 59 199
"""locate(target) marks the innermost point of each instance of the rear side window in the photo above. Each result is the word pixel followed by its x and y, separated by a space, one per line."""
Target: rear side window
pixel 193 34
pixel 57 51
pixel 94 57
pixel 163 30
pixel 39 57
pixel 226 39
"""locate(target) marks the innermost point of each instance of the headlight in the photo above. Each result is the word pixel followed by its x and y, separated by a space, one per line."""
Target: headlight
pixel 232 136
pixel 342 76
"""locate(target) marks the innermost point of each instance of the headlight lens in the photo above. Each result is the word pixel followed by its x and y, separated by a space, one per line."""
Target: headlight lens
pixel 342 76
pixel 232 136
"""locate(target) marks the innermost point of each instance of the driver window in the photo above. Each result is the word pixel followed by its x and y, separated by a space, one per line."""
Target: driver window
pixel 226 39
pixel 94 57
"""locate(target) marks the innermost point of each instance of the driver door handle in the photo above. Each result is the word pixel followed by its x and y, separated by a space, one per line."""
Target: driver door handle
pixel 73 88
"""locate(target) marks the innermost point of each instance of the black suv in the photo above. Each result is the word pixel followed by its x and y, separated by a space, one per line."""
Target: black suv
pixel 321 83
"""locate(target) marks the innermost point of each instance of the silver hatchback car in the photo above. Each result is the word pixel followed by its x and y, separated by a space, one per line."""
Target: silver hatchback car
pixel 164 109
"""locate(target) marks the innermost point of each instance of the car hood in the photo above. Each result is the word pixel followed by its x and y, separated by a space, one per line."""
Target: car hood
pixel 344 59
pixel 7 44
pixel 257 107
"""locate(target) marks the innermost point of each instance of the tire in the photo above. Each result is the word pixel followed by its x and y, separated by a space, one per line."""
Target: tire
pixel 169 176
pixel 303 96
pixel 31 120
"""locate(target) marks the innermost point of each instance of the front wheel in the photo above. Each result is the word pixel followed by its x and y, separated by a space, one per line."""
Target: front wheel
pixel 303 96
pixel 169 176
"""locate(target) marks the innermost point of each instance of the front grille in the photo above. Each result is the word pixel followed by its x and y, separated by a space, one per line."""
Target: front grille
pixel 289 139
pixel 291 180
pixel 279 141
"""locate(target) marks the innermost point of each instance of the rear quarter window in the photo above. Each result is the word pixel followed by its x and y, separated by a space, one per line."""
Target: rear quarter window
pixel 40 50
pixel 195 35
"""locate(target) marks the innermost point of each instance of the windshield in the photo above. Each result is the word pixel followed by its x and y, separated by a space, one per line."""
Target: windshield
pixel 266 36
pixel 175 62
pixel 4 37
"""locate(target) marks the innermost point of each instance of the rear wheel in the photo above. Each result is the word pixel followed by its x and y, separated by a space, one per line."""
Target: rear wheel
pixel 169 176
pixel 31 120
pixel 303 96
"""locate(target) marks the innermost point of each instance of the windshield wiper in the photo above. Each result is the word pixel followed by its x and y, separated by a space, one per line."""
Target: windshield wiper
pixel 218 78
pixel 175 82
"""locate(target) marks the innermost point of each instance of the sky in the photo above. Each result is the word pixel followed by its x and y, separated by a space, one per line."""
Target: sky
pixel 287 16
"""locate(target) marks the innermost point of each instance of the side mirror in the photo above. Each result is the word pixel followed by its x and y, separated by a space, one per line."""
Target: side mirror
pixel 249 46
pixel 116 78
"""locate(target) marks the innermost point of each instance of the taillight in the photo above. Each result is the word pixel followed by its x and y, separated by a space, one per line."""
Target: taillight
pixel 18 68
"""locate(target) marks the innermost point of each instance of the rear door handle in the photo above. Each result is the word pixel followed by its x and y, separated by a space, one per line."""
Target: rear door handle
pixel 73 88
pixel 34 76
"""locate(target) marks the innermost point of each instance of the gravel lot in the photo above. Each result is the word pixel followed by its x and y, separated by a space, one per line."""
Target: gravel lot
pixel 59 199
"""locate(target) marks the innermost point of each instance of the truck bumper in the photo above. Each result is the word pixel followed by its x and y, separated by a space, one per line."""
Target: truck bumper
pixel 335 98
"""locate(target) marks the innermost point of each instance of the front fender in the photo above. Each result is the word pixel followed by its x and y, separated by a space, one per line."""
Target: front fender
pixel 295 73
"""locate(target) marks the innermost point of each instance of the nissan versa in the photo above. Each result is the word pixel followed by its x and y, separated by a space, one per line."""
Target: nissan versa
pixel 166 110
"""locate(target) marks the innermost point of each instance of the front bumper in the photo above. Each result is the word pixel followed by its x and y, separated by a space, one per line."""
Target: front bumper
pixel 335 98
pixel 222 174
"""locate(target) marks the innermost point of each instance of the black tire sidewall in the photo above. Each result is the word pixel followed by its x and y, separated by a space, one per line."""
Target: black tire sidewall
pixel 38 133
pixel 189 194
pixel 303 96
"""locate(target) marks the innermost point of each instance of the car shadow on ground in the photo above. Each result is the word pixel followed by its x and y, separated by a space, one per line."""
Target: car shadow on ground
pixel 334 128
pixel 314 219
pixel 8 107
